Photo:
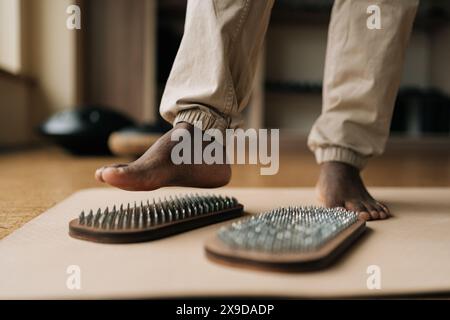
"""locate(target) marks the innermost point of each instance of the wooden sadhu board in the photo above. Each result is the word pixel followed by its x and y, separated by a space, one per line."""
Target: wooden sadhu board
pixel 410 250
pixel 217 251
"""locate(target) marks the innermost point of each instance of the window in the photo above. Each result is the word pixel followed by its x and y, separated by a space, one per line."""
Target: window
pixel 10 35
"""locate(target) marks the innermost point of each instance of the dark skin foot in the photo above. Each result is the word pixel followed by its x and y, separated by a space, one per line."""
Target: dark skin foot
pixel 155 169
pixel 340 185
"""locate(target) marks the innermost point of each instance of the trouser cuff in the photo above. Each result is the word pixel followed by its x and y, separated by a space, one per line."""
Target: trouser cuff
pixel 202 119
pixel 340 154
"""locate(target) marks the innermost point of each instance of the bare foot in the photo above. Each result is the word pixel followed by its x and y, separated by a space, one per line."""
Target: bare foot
pixel 155 169
pixel 340 185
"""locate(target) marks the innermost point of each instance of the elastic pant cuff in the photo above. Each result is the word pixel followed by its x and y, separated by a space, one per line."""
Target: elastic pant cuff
pixel 202 119
pixel 340 154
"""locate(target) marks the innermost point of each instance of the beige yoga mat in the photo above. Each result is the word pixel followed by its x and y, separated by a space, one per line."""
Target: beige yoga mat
pixel 411 250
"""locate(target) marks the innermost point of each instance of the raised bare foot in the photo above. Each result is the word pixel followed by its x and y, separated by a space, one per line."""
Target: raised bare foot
pixel 155 169
pixel 340 185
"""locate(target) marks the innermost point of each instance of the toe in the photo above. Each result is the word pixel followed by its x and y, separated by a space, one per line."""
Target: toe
pixel 373 211
pixel 385 209
pixel 382 214
pixel 365 215
pixel 98 174
pixel 380 211
pixel 374 215
pixel 130 177
pixel 115 176
pixel 358 207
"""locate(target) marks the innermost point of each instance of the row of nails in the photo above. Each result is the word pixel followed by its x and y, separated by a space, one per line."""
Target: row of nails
pixel 157 212
pixel 291 229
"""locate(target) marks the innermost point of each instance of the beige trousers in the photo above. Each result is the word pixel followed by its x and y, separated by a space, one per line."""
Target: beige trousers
pixel 213 72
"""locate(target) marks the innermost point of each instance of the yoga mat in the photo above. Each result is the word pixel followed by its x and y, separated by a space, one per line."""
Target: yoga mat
pixel 411 250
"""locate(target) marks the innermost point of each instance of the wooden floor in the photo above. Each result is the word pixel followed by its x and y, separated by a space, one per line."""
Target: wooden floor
pixel 33 180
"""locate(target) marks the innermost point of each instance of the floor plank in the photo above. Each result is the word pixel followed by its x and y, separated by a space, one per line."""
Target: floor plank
pixel 36 179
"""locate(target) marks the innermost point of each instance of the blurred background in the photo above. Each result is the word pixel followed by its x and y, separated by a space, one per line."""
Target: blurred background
pixel 111 74
pixel 121 57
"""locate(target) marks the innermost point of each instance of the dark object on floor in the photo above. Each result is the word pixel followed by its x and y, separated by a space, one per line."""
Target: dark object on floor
pixel 286 239
pixel 154 220
pixel 85 130
pixel 421 112
pixel 134 141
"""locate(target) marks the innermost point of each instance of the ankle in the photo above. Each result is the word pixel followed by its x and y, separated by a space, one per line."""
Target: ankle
pixel 336 166
pixel 183 125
